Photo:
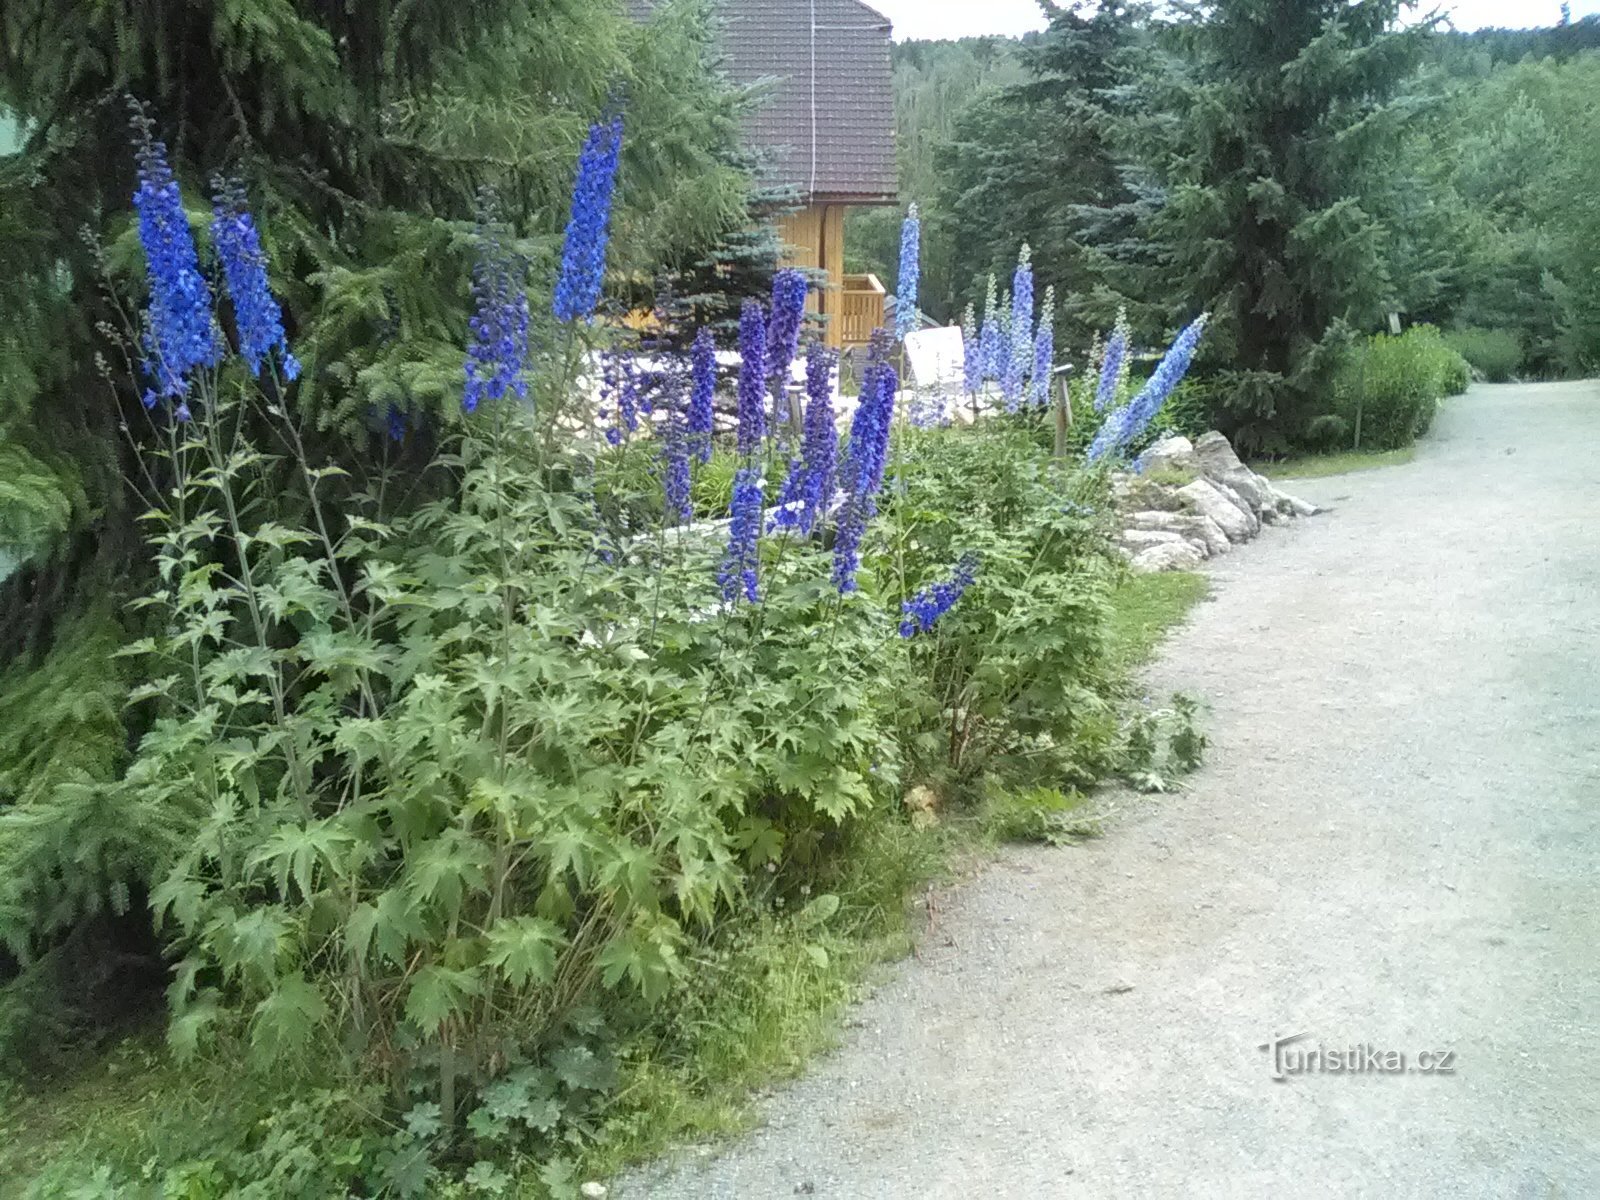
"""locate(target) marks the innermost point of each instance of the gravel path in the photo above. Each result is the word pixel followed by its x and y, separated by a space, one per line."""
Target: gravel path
pixel 1396 843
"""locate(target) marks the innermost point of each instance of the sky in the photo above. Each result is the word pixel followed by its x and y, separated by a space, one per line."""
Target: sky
pixel 971 18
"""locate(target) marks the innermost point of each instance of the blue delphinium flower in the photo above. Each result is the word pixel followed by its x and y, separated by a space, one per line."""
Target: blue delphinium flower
pixel 752 378
pixel 809 488
pixel 928 410
pixel 789 291
pixel 866 463
pixel 1128 422
pixel 180 333
pixel 622 396
pixel 991 347
pixel 922 611
pixel 702 394
pixel 1044 351
pixel 790 509
pixel 739 570
pixel 820 449
pixel 256 314
pixel 910 285
pixel 498 350
pixel 1022 310
pixel 971 351
pixel 676 485
pixel 583 255
pixel 1013 368
pixel 1113 365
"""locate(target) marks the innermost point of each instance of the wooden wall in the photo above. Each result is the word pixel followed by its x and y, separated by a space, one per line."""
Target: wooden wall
pixel 815 240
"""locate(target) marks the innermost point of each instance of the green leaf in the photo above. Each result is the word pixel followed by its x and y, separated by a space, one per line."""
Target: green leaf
pixel 287 1019
pixel 820 911
pixel 437 994
pixel 524 949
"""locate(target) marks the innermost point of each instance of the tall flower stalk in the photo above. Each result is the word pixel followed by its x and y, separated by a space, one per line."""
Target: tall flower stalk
pixel 1113 366
pixel 866 462
pixel 180 334
pixel 1044 351
pixel 971 351
pixel 256 315
pixel 810 487
pixel 991 348
pixel 702 395
pixel 1128 422
pixel 1022 300
pixel 908 289
pixel 739 573
pixel 583 254
pixel 752 378
pixel 497 352
pixel 789 291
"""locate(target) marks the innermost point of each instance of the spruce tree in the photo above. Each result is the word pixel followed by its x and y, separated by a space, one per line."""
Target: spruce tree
pixel 1280 103
pixel 1039 162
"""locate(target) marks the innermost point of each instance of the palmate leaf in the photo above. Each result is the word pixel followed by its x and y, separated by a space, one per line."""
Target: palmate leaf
pixel 298 851
pixel 443 871
pixel 387 926
pixel 439 993
pixel 286 1021
pixel 524 949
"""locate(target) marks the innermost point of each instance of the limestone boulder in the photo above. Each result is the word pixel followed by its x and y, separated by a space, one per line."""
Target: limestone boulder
pixel 1207 500
pixel 1194 528
pixel 1171 454
pixel 1170 556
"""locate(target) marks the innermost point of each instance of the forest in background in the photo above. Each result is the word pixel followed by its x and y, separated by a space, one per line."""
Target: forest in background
pixel 1447 177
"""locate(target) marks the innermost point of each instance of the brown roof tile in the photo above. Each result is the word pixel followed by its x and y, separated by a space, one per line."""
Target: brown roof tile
pixel 828 116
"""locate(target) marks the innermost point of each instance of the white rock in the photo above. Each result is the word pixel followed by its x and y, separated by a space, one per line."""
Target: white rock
pixel 1206 499
pixel 1143 539
pixel 593 1191
pixel 1299 507
pixel 1216 455
pixel 1193 527
pixel 1172 453
pixel 1248 486
pixel 1173 556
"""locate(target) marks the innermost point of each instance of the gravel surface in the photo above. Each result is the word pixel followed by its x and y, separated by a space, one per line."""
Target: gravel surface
pixel 1394 843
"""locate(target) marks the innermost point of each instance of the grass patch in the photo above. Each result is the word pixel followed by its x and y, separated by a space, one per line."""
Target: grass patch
pixel 1146 608
pixel 1318 466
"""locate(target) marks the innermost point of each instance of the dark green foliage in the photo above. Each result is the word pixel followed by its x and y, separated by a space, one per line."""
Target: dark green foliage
pixel 363 132
pixel 1020 666
pixel 1039 163
pixel 1279 104
pixel 935 85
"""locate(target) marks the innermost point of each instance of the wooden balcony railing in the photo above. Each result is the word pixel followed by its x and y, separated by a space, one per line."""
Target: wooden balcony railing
pixel 861 309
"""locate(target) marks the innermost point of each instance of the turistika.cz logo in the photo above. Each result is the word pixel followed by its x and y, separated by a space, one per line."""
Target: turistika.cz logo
pixel 1290 1059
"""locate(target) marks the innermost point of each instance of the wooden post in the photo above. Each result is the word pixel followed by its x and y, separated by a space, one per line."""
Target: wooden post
pixel 1063 413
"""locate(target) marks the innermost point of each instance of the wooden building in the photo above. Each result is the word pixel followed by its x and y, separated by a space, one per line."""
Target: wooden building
pixel 826 122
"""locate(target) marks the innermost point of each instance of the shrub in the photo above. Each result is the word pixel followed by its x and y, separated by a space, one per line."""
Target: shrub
pixel 1387 390
pixel 1495 353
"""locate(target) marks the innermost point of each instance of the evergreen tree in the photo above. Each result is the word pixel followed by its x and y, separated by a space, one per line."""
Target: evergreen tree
pixel 1279 105
pixel 1039 162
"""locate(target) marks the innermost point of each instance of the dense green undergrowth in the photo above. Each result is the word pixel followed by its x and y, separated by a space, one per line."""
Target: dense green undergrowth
pixel 768 993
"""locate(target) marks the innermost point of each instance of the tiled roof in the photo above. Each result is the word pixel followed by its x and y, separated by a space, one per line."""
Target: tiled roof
pixel 828 116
